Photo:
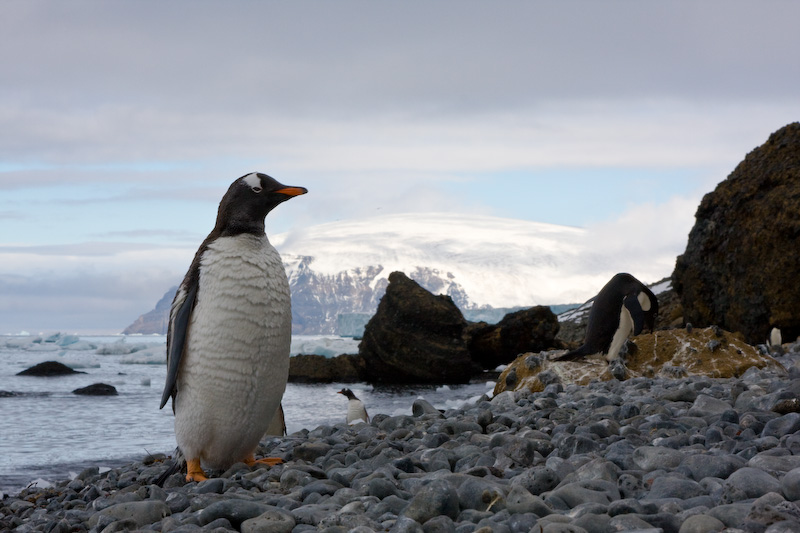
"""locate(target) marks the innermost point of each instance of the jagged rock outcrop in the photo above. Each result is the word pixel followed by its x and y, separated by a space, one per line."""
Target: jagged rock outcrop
pixel 155 321
pixel 672 353
pixel 741 264
pixel 415 337
pixel 528 330
pixel 345 368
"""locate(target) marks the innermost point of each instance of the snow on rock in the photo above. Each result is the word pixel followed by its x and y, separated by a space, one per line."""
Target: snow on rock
pixel 479 261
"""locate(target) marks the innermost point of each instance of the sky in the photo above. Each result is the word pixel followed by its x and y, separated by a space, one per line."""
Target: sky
pixel 123 123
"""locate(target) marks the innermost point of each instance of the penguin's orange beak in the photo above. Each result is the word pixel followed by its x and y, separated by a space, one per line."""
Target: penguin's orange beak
pixel 292 191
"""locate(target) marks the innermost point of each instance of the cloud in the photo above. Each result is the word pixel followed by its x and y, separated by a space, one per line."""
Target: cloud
pixel 646 239
pixel 99 287
pixel 101 302
pixel 125 123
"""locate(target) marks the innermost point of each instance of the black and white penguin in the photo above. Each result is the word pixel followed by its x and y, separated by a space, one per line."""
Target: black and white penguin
pixel 229 333
pixel 624 306
pixel 356 412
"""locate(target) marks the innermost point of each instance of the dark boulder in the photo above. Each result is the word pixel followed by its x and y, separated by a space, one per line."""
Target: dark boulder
pixel 741 265
pixel 97 389
pixel 528 330
pixel 415 337
pixel 48 369
pixel 343 368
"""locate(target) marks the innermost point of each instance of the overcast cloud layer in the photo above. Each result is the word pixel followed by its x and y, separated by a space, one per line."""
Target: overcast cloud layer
pixel 122 124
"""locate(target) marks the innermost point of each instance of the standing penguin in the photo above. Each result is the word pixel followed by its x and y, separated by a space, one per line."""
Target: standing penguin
pixel 229 333
pixel 356 412
pixel 624 306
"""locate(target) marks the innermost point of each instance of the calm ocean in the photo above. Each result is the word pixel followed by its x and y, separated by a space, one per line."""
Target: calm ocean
pixel 48 434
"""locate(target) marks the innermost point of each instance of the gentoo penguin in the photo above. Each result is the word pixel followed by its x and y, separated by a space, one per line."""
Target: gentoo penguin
pixel 356 412
pixel 229 333
pixel 774 341
pixel 624 306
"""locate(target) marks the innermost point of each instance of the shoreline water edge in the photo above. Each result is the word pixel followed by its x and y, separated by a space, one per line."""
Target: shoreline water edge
pixel 693 454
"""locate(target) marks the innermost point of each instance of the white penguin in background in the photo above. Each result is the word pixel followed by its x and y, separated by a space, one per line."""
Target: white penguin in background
pixel 774 341
pixel 229 333
pixel 356 412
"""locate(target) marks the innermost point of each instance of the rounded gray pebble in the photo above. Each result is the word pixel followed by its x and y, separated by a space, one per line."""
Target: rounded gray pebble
pixel 434 499
pixel 676 454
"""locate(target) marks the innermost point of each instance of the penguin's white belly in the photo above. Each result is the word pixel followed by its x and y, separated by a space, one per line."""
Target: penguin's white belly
pixel 624 329
pixel 236 362
pixel 356 412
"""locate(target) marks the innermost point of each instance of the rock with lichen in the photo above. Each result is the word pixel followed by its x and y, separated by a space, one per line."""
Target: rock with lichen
pixel 673 353
pixel 740 267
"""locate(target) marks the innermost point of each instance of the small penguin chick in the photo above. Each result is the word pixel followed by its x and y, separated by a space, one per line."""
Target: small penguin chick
pixel 356 412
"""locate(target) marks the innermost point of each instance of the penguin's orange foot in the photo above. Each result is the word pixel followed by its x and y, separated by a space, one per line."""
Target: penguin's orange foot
pixel 194 472
pixel 269 461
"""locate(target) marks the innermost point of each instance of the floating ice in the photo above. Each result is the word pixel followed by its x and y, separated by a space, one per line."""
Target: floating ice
pixel 120 348
pixel 325 346
pixel 352 324
pixel 149 356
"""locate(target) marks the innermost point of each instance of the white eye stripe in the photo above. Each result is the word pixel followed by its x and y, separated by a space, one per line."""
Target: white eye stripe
pixel 253 181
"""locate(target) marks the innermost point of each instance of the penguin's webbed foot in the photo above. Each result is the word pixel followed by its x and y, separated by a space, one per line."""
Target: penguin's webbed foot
pixel 194 472
pixel 269 461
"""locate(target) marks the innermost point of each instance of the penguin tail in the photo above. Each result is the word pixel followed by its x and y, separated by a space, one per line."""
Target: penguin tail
pixel 573 355
pixel 177 464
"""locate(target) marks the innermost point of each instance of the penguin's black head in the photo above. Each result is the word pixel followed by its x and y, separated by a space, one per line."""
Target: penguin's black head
pixel 348 393
pixel 248 201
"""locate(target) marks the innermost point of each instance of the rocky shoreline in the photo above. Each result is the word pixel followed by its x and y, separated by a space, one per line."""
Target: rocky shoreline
pixel 685 455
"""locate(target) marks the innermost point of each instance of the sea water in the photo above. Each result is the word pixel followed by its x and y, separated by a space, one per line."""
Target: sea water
pixel 47 433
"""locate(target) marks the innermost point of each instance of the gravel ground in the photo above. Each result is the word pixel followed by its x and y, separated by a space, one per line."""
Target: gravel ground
pixel 690 455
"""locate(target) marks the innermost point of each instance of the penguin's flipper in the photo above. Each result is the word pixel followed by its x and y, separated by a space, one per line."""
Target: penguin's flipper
pixel 179 323
pixel 634 307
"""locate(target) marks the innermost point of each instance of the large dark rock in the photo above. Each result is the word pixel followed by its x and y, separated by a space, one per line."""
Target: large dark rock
pixel 528 330
pixel 415 337
pixel 741 264
pixel 97 389
pixel 47 369
pixel 343 368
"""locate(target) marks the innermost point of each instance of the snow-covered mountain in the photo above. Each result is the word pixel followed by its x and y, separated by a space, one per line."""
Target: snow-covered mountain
pixel 489 266
pixel 341 268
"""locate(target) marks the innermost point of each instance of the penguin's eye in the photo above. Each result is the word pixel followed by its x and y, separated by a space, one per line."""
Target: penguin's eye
pixel 256 189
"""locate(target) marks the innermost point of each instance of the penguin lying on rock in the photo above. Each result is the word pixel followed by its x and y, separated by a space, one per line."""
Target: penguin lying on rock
pixel 229 333
pixel 356 412
pixel 624 306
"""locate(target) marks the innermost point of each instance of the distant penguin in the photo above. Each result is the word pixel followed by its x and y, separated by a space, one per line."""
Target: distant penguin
pixel 356 412
pixel 229 333
pixel 774 341
pixel 624 306
pixel 774 338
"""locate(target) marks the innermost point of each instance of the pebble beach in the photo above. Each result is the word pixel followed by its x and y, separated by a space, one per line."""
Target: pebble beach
pixel 648 455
